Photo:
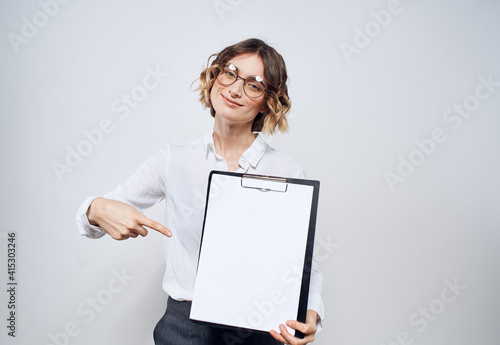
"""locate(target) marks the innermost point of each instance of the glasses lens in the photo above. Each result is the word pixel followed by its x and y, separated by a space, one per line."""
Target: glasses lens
pixel 254 86
pixel 228 74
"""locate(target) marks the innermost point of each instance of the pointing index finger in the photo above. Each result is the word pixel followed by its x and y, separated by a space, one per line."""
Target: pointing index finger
pixel 155 226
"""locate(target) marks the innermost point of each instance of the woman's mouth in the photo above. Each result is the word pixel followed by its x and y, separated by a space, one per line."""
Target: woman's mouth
pixel 230 103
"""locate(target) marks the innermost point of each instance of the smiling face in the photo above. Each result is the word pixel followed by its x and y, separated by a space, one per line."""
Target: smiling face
pixel 232 106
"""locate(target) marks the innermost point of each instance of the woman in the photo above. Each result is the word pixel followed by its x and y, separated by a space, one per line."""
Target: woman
pixel 245 89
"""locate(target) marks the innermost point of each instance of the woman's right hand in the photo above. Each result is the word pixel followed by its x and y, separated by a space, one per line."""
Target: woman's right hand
pixel 121 220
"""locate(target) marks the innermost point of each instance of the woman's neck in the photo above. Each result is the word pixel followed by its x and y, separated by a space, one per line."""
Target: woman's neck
pixel 231 142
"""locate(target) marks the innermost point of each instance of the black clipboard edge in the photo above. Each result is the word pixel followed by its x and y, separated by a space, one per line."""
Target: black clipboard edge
pixel 238 330
pixel 204 218
pixel 306 273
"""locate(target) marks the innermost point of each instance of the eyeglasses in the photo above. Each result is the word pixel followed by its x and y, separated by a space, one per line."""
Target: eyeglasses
pixel 254 86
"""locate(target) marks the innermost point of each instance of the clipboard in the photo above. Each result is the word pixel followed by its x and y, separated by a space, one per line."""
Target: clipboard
pixel 254 265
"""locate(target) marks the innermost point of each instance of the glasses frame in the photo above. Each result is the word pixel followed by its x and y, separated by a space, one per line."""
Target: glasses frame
pixel 221 69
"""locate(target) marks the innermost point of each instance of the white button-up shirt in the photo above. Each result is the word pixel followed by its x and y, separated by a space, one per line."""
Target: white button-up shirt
pixel 179 174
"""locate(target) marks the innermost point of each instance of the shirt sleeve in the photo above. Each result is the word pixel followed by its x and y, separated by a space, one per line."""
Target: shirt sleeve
pixel 142 189
pixel 315 302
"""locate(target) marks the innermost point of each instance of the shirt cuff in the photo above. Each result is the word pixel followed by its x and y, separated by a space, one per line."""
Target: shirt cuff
pixel 82 222
pixel 318 307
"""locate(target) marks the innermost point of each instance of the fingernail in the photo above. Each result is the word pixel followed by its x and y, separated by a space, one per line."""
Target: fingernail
pixel 289 323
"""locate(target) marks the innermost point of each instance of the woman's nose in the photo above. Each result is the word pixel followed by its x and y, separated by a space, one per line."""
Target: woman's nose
pixel 237 87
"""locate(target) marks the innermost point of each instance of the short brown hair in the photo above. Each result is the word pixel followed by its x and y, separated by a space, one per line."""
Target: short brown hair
pixel 277 101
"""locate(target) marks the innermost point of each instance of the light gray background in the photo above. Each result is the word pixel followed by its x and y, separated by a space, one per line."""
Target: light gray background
pixel 384 253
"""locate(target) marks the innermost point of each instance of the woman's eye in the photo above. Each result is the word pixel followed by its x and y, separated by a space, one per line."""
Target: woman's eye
pixel 231 74
pixel 255 87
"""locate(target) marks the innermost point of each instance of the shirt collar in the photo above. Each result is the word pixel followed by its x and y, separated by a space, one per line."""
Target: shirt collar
pixel 252 155
pixel 208 142
pixel 256 151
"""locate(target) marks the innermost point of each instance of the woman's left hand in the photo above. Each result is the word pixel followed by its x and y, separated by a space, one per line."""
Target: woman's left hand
pixel 308 328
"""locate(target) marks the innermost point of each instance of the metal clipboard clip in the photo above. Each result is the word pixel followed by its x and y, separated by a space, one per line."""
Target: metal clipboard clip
pixel 264 183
